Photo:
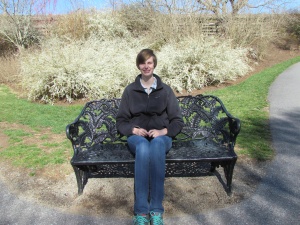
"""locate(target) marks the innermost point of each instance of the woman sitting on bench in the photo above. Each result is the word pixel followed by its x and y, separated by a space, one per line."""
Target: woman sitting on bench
pixel 149 115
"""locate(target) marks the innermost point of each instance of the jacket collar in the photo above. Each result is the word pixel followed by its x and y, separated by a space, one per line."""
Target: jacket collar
pixel 138 86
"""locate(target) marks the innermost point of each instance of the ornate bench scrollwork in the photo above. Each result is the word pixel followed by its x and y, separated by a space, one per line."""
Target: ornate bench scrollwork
pixel 206 142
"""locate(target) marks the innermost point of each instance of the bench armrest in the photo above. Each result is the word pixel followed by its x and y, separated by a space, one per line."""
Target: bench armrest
pixel 72 132
pixel 235 127
pixel 234 123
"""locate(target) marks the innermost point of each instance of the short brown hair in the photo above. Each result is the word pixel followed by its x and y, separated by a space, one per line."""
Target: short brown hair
pixel 144 55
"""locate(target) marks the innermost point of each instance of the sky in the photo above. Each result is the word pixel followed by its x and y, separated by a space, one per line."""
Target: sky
pixel 65 6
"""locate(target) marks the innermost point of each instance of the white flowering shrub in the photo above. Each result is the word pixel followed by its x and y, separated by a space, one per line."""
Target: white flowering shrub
pixel 81 25
pixel 196 63
pixel 102 68
pixel 105 26
pixel 91 69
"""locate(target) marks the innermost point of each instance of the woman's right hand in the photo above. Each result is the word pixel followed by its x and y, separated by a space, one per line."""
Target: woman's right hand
pixel 140 132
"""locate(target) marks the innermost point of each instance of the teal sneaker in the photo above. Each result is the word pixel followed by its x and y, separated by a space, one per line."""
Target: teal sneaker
pixel 140 219
pixel 156 218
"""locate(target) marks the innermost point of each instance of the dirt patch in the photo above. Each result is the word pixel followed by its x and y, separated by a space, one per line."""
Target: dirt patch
pixel 55 186
pixel 3 141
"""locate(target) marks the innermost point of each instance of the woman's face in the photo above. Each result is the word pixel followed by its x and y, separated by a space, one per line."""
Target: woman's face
pixel 147 68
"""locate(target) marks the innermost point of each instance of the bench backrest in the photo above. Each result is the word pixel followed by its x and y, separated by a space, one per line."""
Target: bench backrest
pixel 205 117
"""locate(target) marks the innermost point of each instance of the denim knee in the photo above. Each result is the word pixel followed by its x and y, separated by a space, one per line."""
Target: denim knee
pixel 137 142
pixel 161 144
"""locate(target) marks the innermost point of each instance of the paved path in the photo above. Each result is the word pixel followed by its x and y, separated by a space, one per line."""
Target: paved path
pixel 275 202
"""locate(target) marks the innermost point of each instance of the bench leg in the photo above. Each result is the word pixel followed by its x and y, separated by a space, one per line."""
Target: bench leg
pixel 81 177
pixel 228 170
pixel 213 167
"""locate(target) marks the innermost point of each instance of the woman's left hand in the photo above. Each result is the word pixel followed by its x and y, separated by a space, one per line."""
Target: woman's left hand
pixel 155 133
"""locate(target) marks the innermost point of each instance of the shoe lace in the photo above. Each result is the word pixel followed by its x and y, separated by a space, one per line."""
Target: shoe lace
pixel 156 218
pixel 140 220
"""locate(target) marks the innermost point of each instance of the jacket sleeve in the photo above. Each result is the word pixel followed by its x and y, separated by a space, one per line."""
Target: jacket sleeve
pixel 123 118
pixel 175 117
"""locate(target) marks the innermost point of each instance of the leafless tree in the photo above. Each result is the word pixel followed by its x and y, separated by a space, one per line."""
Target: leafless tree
pixel 223 8
pixel 172 6
pixel 16 25
pixel 226 10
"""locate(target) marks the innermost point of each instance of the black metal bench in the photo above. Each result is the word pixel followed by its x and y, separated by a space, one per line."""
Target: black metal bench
pixel 207 141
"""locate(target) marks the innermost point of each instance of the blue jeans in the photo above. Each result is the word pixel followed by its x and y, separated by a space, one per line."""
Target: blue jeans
pixel 149 172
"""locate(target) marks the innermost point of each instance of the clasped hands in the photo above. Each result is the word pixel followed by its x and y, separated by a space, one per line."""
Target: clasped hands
pixel 151 133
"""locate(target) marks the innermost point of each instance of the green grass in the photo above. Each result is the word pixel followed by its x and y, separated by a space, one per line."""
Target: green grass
pixel 248 102
pixel 16 136
pixel 31 155
pixel 36 116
